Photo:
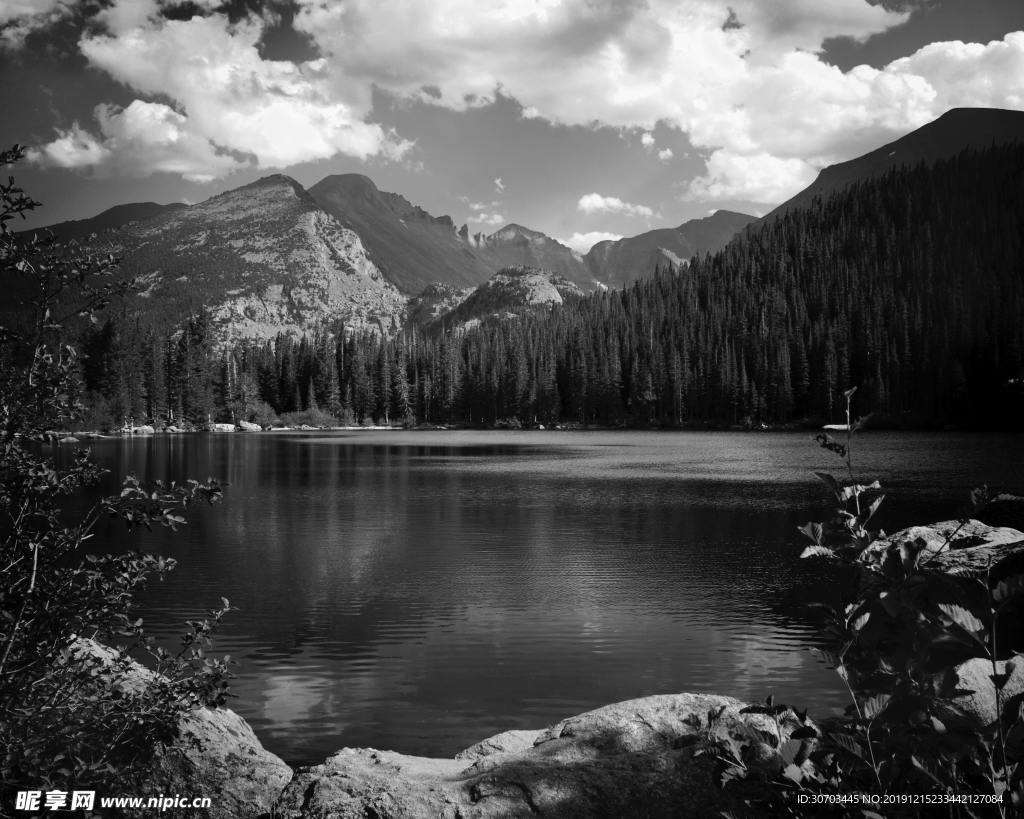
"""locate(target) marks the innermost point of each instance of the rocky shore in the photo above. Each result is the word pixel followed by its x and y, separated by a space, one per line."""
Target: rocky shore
pixel 633 758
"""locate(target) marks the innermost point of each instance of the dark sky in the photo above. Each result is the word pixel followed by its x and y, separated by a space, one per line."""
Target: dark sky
pixel 580 118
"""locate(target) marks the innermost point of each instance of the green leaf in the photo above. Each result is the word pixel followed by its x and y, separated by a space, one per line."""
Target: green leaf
pixel 818 551
pixel 813 531
pixel 859 622
pixel 873 706
pixel 962 617
pixel 1008 588
pixel 848 744
pixel 829 481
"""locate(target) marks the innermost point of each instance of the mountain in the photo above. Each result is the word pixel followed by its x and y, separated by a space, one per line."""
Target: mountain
pixel 434 302
pixel 517 246
pixel 620 263
pixel 508 293
pixel 111 219
pixel 262 259
pixel 943 138
pixel 414 249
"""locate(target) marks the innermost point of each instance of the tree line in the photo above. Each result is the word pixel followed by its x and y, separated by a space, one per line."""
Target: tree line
pixel 909 286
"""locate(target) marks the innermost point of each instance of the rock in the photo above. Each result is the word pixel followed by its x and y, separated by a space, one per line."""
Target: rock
pixel 634 758
pixel 221 427
pixel 971 544
pixel 216 753
pixel 503 743
pixel 248 426
pixel 974 675
pixel 145 429
pixel 69 439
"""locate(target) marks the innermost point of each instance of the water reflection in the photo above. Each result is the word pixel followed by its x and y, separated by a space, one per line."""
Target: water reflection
pixel 419 591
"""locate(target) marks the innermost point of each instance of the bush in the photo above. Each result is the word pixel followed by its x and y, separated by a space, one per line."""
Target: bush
pixel 67 716
pixel 310 417
pixel 896 646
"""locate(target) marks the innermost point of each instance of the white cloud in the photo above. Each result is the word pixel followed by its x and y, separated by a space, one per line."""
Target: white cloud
pixel 582 242
pixel 596 203
pixel 665 154
pixel 19 18
pixel 488 219
pixel 224 93
pixel 74 148
pixel 755 99
pixel 140 140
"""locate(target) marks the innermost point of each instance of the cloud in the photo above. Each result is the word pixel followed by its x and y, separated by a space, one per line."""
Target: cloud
pixel 223 93
pixel 140 140
pixel 19 18
pixel 665 154
pixel 488 219
pixel 742 79
pixel 596 203
pixel 582 242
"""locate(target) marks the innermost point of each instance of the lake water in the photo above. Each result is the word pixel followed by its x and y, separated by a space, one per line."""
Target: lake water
pixel 418 591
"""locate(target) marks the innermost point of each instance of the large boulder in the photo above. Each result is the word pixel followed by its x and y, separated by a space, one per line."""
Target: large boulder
pixel 952 545
pixel 634 758
pixel 216 753
pixel 981 704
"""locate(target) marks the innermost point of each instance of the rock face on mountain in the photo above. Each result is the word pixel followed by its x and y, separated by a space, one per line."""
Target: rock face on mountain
pixel 436 301
pixel 263 259
pixel 620 263
pixel 507 293
pixel 414 249
pixel 411 248
pixel 945 137
pixel 517 246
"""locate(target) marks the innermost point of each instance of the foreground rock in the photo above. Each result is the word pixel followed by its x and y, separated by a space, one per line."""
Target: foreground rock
pixel 633 758
pixel 216 753
pixel 952 546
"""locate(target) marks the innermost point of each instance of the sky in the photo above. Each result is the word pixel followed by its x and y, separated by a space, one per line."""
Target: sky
pixel 584 119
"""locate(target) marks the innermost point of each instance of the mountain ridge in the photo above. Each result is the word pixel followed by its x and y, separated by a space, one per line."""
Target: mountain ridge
pixel 942 138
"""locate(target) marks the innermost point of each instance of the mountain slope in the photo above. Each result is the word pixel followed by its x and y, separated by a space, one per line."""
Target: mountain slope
pixel 620 263
pixel 111 219
pixel 412 248
pixel 517 246
pixel 945 137
pixel 508 293
pixel 263 259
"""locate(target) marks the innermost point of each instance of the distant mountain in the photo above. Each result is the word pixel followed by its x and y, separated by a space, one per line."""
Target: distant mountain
pixel 116 217
pixel 263 259
pixel 620 263
pixel 507 294
pixel 517 246
pixel 943 138
pixel 412 248
pixel 435 301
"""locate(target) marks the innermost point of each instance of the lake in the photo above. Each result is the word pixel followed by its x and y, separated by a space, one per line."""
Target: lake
pixel 419 591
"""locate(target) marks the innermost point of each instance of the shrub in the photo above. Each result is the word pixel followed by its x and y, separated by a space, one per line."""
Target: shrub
pixel 896 645
pixel 311 417
pixel 67 714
